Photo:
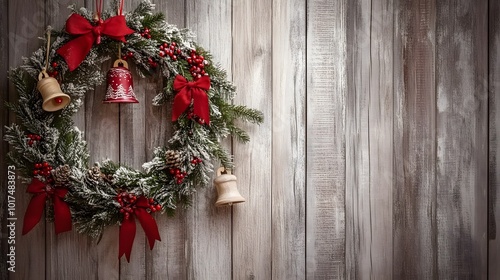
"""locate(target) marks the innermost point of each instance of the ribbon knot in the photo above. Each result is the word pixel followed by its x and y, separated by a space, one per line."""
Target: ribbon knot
pixel 128 228
pixel 42 192
pixel 75 51
pixel 191 91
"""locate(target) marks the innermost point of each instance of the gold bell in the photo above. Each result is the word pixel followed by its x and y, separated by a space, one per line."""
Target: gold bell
pixel 53 97
pixel 226 188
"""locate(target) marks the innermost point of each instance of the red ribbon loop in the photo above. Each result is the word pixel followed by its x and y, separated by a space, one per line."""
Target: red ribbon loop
pixel 62 213
pixel 195 91
pixel 75 51
pixel 128 228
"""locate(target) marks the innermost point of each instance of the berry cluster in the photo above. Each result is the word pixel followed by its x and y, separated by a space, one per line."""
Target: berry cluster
pixel 192 116
pixel 127 55
pixel 197 65
pixel 43 169
pixel 171 50
pixel 33 138
pixel 179 175
pixel 146 33
pixel 128 204
pixel 196 160
pixel 152 63
pixel 54 71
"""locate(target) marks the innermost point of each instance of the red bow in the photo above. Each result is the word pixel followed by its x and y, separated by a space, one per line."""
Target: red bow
pixel 191 90
pixel 75 51
pixel 62 214
pixel 127 229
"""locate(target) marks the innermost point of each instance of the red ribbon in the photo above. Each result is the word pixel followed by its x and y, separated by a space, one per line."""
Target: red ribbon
pixel 75 51
pixel 188 91
pixel 127 229
pixel 62 213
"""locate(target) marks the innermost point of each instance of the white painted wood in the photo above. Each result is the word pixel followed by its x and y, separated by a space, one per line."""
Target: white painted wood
pixel 208 227
pixel 326 95
pixel 252 76
pixel 288 136
pixel 462 146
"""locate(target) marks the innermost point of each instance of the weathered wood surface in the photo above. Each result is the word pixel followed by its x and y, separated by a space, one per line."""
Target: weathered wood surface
pixel 369 140
pixel 494 138
pixel 252 75
pixel 326 156
pixel 414 189
pixel 289 140
pixel 377 158
pixel 461 135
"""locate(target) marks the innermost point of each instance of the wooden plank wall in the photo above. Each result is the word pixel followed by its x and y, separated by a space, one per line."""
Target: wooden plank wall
pixel 377 158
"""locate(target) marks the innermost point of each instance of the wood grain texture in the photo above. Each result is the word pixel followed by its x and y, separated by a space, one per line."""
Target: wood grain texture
pixel 462 126
pixel 64 250
pixel 494 138
pixel 168 259
pixel 252 75
pixel 326 98
pixel 369 140
pixel 4 147
pixel 289 140
pixel 414 204
pixel 26 24
pixel 209 227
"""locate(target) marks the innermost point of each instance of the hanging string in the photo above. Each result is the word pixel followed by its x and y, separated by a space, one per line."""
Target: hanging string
pixel 120 9
pixel 44 69
pixel 98 5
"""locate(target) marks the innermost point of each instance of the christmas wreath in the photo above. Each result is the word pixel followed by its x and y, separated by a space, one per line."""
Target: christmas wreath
pixel 50 151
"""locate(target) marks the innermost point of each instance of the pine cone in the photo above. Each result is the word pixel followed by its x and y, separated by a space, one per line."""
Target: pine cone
pixel 94 173
pixel 61 175
pixel 173 159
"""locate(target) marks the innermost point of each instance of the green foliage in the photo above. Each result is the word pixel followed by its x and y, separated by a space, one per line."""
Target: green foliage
pixel 93 189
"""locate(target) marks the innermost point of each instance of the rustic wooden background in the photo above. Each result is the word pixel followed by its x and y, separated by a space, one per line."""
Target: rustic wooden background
pixel 377 158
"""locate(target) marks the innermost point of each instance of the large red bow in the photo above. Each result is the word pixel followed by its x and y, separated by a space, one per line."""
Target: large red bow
pixel 127 229
pixel 75 51
pixel 191 90
pixel 62 213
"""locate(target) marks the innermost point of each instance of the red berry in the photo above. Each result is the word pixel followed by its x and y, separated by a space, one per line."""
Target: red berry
pixel 30 142
pixel 174 44
pixel 148 36
pixel 35 172
pixel 158 207
pixel 45 164
pixel 179 51
pixel 124 57
pixel 179 181
pixel 177 171
pixel 142 34
pixel 30 136
pixel 127 215
pixel 174 57
pixel 190 60
pixel 38 137
pixel 131 54
pixel 122 210
pixel 162 54
pixel 162 47
pixel 165 45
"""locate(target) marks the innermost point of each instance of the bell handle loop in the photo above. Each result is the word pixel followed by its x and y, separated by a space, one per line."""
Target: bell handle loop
pixel 118 61
pixel 43 74
pixel 222 170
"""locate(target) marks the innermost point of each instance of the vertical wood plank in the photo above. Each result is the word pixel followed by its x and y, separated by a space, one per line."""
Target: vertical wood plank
pixel 326 87
pixel 64 250
pixel 289 136
pixel 4 120
pixel 168 259
pixel 415 231
pixel 209 227
pixel 133 154
pixel 369 140
pixel 462 123
pixel 252 76
pixel 494 138
pixel 26 24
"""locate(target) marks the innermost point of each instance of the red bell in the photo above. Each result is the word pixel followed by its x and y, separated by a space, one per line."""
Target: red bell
pixel 120 87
